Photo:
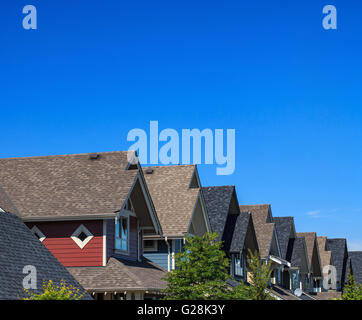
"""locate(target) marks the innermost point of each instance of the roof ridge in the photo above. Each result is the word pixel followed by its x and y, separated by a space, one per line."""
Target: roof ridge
pixel 62 155
pixel 170 166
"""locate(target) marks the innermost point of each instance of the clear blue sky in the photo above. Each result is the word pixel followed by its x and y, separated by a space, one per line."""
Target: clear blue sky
pixel 96 69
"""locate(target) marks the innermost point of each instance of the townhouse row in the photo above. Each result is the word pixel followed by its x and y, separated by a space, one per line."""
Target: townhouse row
pixel 114 228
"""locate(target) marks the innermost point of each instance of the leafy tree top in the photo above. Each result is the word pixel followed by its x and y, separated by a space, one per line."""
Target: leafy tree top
pixel 52 291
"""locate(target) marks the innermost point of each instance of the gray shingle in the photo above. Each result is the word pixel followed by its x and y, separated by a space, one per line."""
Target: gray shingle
pixel 241 227
pixel 218 202
pixel 339 257
pixel 284 228
pixel 355 258
pixel 19 247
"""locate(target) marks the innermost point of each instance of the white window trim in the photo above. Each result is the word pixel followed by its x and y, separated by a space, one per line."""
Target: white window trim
pixel 81 244
pixel 150 249
pixel 125 215
pixel 37 231
pixel 238 255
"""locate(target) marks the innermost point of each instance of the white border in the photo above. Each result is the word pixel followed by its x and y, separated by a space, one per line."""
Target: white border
pixel 81 244
pixel 36 230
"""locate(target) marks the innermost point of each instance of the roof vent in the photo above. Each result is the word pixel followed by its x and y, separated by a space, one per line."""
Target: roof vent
pixel 149 171
pixel 94 156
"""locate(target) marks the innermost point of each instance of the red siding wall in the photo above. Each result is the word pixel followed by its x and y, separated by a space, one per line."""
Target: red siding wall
pixel 59 242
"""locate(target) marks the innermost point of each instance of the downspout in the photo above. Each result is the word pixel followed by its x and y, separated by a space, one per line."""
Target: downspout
pixel 168 254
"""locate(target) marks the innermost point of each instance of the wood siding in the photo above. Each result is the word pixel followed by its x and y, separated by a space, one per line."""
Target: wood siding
pixel 59 242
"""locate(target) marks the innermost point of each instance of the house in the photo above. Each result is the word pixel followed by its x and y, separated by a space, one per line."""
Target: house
pixel 314 283
pixel 267 239
pixel 339 250
pixel 90 211
pixel 293 249
pixel 21 253
pixel 235 228
pixel 180 207
pixel 355 258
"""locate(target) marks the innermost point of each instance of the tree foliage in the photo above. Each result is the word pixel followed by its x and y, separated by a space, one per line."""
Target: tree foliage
pixel 52 291
pixel 352 290
pixel 202 273
pixel 260 273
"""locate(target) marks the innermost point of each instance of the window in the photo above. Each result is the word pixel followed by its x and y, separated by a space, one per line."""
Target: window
pixel 38 233
pixel 149 245
pixel 82 236
pixel 238 265
pixel 122 227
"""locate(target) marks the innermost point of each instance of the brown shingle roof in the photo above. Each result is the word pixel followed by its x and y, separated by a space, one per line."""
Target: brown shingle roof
pixel 67 185
pixel 172 196
pixel 310 238
pixel 121 275
pixel 325 255
pixel 259 212
pixel 263 230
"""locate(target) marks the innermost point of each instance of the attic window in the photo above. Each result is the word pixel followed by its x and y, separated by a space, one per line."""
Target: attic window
pixel 194 182
pixel 82 236
pixel 38 233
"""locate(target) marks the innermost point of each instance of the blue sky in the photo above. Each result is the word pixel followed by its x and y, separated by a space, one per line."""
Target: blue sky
pixel 94 70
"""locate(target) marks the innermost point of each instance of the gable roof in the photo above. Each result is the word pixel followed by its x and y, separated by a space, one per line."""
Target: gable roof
pixel 260 212
pixel 325 255
pixel 67 185
pixel 338 247
pixel 218 202
pixel 121 275
pixel 284 228
pixel 19 247
pixel 312 248
pixel 310 242
pixel 297 253
pixel 242 223
pixel 264 229
pixel 172 196
pixel 356 264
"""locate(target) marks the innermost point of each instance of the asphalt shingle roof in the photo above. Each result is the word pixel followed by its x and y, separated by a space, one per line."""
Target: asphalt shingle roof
pixel 240 231
pixel 174 200
pixel 263 228
pixel 356 263
pixel 325 255
pixel 284 228
pixel 121 275
pixel 19 247
pixel 338 247
pixel 67 185
pixel 296 252
pixel 218 201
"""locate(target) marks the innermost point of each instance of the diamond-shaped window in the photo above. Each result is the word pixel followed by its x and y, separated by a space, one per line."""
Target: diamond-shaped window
pixel 82 236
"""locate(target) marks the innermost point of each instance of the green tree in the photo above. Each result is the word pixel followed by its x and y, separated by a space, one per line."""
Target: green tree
pixel 202 272
pixel 260 273
pixel 352 290
pixel 53 291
